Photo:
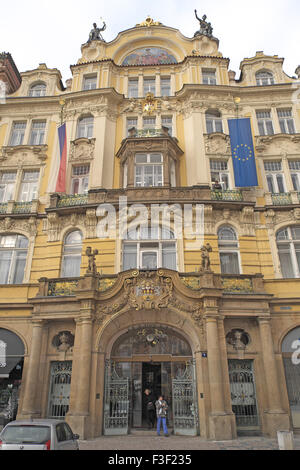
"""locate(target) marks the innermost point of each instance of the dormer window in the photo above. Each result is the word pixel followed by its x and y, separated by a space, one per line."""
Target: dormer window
pixel 38 89
pixel 264 78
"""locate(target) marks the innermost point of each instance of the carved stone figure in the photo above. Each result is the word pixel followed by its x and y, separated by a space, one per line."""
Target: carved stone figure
pixel 63 341
pixel 95 33
pixel 92 268
pixel 205 260
pixel 205 27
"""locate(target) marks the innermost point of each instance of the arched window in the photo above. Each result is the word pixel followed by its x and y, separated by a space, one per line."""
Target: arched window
pixel 38 89
pixel 228 250
pixel 85 127
pixel 264 78
pixel 71 260
pixel 13 254
pixel 288 245
pixel 149 248
pixel 213 121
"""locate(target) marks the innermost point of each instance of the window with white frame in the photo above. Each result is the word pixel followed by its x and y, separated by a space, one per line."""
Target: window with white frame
pixel 294 166
pixel 149 248
pixel 265 124
pixel 37 135
pixel 29 186
pixel 209 77
pixel 286 121
pixel 13 254
pixel 288 245
pixel 38 89
pixel 275 177
pixel 167 121
pixel 264 78
pixel 17 133
pixel 219 173
pixel 149 86
pixel 71 259
pixel 228 250
pixel 133 88
pixel 149 123
pixel 148 170
pixel 165 86
pixel 7 185
pixel 90 82
pixel 80 179
pixel 213 121
pixel 85 127
pixel 130 123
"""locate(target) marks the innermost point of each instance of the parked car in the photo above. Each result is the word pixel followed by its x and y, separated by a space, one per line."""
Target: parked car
pixel 38 434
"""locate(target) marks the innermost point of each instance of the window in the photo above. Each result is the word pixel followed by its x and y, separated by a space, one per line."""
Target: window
pixel 286 121
pixel 72 254
pixel 209 77
pixel 85 127
pixel 29 186
pixel 148 170
pixel 219 173
pixel 7 186
pixel 149 86
pixel 90 82
pixel 213 122
pixel 37 133
pixel 80 179
pixel 17 133
pixel 228 250
pixel 149 124
pixel 133 88
pixel 288 245
pixel 13 253
pixel 294 166
pixel 130 123
pixel 275 177
pixel 149 248
pixel 39 89
pixel 165 86
pixel 265 124
pixel 167 121
pixel 264 78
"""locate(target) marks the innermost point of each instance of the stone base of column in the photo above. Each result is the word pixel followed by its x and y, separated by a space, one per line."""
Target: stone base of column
pixel 79 425
pixel 222 427
pixel 276 421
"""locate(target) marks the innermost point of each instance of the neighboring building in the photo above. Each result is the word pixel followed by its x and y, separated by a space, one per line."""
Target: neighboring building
pixel 146 119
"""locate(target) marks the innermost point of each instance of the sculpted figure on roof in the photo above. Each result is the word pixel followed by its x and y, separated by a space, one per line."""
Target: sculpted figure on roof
pixel 205 27
pixel 95 33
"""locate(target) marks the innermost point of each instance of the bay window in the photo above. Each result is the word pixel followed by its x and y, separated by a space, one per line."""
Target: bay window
pixel 148 170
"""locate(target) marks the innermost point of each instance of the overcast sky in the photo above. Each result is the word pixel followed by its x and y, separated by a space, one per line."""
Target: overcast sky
pixel 52 31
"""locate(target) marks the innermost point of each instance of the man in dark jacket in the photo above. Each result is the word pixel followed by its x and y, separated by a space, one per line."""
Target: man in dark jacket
pixel 161 413
pixel 150 408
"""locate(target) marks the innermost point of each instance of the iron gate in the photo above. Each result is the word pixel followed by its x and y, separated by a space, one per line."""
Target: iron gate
pixel 292 375
pixel 243 394
pixel 60 384
pixel 116 402
pixel 184 401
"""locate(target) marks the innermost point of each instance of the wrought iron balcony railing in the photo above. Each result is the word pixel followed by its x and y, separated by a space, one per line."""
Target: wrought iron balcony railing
pixel 281 199
pixel 3 208
pixel 227 195
pixel 72 200
pixel 22 207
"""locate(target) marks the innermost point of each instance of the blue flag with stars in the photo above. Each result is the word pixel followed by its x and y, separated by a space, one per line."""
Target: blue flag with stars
pixel 242 150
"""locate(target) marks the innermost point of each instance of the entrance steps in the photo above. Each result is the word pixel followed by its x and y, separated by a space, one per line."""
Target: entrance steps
pixel 146 432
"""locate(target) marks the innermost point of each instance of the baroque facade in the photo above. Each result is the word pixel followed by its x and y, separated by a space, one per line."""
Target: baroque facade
pixel 87 321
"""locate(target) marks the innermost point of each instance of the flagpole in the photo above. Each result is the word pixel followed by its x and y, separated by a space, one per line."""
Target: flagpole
pixel 237 102
pixel 62 103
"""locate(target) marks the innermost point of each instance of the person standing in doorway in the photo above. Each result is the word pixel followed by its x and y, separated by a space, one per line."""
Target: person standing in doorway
pixel 150 408
pixel 161 414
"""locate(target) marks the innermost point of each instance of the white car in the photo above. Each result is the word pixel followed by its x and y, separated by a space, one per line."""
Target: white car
pixel 38 434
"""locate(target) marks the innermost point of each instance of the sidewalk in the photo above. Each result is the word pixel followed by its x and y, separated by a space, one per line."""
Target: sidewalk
pixel 152 442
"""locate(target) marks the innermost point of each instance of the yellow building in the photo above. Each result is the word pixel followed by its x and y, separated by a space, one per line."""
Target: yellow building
pixel 100 298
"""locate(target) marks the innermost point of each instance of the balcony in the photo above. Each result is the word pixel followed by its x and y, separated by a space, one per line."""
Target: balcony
pixel 59 287
pixel 227 195
pixel 144 133
pixel 71 200
pixel 281 199
pixel 15 207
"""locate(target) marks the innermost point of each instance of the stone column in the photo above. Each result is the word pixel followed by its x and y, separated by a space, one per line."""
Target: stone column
pixel 30 405
pixel 277 419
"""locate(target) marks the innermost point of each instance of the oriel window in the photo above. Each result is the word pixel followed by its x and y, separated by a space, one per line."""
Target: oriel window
pixel 148 170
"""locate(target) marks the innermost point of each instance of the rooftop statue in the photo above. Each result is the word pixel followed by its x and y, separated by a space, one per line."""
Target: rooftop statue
pixel 205 27
pixel 95 33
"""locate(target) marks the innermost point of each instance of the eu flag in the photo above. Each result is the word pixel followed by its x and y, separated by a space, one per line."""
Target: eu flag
pixel 242 150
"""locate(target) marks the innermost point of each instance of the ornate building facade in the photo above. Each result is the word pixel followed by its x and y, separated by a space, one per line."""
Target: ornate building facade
pixel 88 321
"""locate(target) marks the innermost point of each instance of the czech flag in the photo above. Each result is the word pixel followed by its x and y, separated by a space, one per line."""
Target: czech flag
pixel 61 178
pixel 242 150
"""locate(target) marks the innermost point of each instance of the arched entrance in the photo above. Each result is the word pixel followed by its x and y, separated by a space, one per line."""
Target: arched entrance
pixel 11 368
pixel 291 360
pixel 154 357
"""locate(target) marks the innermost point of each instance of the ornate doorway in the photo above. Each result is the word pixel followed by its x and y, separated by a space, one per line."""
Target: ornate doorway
pixel 157 358
pixel 291 362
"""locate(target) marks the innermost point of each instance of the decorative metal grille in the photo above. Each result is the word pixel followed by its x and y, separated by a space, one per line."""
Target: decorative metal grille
pixel 227 195
pixel 60 384
pixel 243 394
pixel 116 405
pixel 281 199
pixel 184 400
pixel 292 375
